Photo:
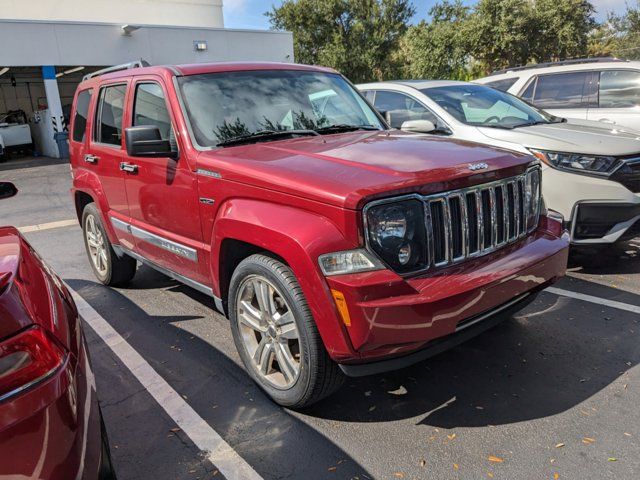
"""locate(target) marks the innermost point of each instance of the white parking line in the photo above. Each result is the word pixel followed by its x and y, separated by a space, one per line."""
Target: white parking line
pixel 225 459
pixel 48 226
pixel 598 300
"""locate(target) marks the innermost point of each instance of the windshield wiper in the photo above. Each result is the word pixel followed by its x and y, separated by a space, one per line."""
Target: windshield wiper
pixel 343 127
pixel 494 125
pixel 530 124
pixel 263 135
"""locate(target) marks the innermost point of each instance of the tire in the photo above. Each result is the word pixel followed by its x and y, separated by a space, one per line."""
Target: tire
pixel 111 269
pixel 287 335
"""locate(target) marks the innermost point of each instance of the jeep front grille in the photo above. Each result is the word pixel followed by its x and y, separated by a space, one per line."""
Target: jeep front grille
pixel 475 221
pixel 458 224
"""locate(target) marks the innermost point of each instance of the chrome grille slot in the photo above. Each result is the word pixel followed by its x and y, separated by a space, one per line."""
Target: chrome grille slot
pixel 474 225
pixel 439 234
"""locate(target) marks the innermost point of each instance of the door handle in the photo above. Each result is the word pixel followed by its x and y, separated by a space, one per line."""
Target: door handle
pixel 91 158
pixel 128 167
pixel 606 120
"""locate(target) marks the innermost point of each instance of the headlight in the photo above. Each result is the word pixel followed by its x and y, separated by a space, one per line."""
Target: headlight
pixel 396 233
pixel 577 162
pixel 532 186
pixel 350 261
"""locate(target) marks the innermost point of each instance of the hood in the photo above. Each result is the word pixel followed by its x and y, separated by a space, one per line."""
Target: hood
pixel 346 169
pixel 572 136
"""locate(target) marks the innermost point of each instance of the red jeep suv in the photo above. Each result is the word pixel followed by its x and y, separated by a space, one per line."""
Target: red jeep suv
pixel 334 244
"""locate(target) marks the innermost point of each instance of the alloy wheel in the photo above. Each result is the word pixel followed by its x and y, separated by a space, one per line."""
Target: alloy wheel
pixel 96 244
pixel 268 331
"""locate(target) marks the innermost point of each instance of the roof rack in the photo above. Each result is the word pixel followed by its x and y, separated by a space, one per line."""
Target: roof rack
pixel 116 68
pixel 572 61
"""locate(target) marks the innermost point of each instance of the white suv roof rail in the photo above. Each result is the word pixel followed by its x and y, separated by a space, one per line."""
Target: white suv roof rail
pixel 116 68
pixel 572 61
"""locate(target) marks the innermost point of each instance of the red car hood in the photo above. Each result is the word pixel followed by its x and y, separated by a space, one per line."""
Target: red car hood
pixel 346 169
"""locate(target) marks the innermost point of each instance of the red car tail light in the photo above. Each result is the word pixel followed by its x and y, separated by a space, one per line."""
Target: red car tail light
pixel 26 360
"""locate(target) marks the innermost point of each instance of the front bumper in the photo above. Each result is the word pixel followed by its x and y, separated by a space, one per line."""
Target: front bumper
pixel 598 210
pixel 391 316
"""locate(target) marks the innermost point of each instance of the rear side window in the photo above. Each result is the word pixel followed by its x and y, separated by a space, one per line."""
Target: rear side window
pixel 109 118
pixel 150 108
pixel 563 90
pixel 619 89
pixel 504 84
pixel 80 118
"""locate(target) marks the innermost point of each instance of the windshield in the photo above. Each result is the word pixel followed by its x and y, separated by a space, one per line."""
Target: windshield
pixel 485 107
pixel 225 106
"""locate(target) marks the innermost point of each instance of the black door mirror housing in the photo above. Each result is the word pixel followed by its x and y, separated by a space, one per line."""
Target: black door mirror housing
pixel 146 141
pixel 7 190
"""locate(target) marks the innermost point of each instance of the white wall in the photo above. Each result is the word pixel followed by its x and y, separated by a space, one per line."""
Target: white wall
pixel 194 13
pixel 38 43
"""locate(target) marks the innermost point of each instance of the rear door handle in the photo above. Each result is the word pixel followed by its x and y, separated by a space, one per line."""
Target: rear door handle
pixel 128 167
pixel 91 158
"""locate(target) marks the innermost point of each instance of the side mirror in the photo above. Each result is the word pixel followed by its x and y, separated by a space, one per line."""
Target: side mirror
pixel 418 126
pixel 7 190
pixel 146 141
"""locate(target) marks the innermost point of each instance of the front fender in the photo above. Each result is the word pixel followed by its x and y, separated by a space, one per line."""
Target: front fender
pixel 298 237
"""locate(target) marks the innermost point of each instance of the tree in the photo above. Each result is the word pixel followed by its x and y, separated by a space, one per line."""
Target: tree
pixel 618 36
pixel 438 49
pixel 563 28
pixel 360 38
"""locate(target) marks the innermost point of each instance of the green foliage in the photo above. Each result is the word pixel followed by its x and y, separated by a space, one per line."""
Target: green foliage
pixel 439 49
pixel 619 35
pixel 371 40
pixel 360 38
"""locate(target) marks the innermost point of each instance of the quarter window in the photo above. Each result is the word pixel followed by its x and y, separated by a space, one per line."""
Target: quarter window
pixel 502 85
pixel 563 90
pixel 619 89
pixel 80 118
pixel 109 123
pixel 150 108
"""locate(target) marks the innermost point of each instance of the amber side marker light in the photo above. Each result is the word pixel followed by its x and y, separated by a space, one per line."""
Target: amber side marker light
pixel 341 303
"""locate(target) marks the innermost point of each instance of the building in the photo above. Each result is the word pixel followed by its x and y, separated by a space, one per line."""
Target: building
pixel 47 46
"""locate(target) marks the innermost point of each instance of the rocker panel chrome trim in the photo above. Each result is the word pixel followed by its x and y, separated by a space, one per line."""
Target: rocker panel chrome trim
pixel 161 242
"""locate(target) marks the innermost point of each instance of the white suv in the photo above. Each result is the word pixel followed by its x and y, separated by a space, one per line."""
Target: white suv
pixel 600 89
pixel 591 170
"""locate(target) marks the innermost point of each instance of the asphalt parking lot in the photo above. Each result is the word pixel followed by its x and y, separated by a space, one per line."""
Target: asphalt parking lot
pixel 552 393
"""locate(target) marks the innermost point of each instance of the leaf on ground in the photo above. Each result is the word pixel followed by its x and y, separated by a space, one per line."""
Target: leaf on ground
pixel 455 465
pixel 495 459
pixel 612 459
pixel 398 475
pixel 332 469
pixel 627 434
pixel 478 407
pixel 489 474
pixel 556 476
pixel 423 463
pixel 588 441
pixel 372 408
pixel 452 436
pixel 399 391
pixel 174 430
pixel 559 445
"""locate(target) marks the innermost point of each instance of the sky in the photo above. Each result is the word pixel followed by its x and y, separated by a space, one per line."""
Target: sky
pixel 250 13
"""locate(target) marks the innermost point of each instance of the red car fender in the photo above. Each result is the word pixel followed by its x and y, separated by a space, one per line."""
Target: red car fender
pixel 298 237
pixel 89 183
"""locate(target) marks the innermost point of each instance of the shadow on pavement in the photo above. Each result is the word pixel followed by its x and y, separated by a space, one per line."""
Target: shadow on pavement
pixel 615 260
pixel 274 442
pixel 555 354
pixel 16 163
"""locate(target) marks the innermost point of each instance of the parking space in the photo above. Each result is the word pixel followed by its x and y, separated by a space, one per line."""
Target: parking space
pixel 551 392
